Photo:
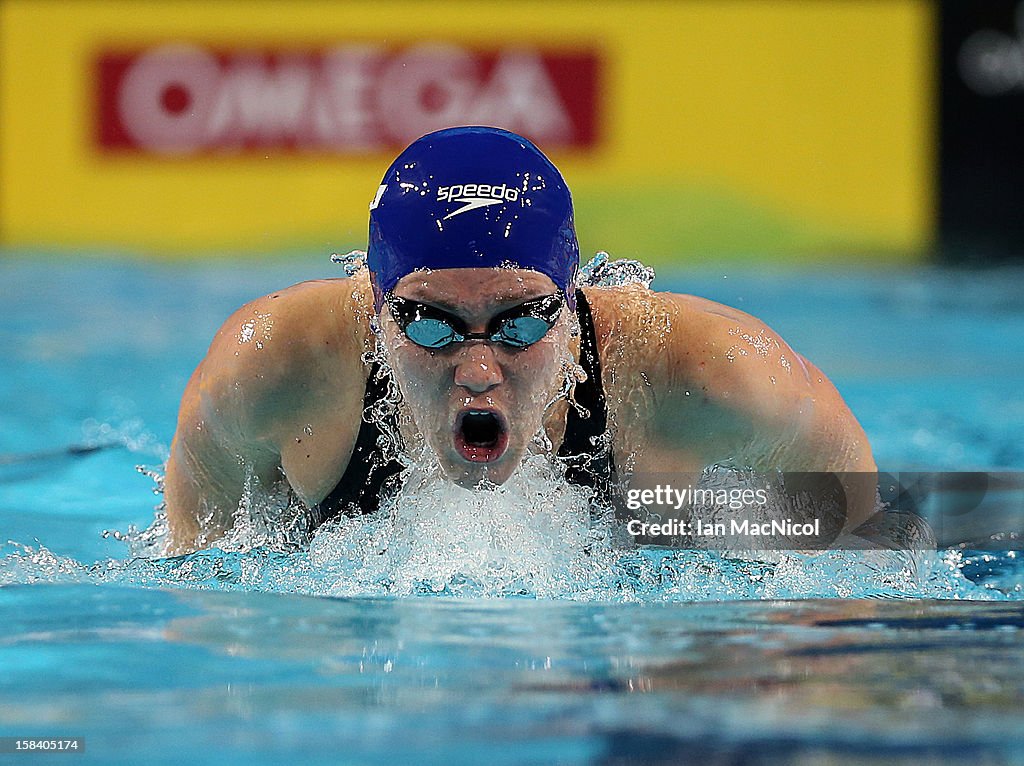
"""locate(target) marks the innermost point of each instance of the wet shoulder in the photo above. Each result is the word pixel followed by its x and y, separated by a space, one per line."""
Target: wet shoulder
pixel 637 315
pixel 292 343
pixel 633 322
pixel 658 337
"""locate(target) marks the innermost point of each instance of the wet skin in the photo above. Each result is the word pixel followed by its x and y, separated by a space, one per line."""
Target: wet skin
pixel 689 382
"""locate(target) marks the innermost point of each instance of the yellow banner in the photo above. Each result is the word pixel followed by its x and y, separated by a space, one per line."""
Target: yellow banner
pixel 799 129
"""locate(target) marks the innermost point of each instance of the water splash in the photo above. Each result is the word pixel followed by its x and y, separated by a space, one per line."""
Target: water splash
pixel 645 575
pixel 351 263
pixel 535 536
pixel 602 271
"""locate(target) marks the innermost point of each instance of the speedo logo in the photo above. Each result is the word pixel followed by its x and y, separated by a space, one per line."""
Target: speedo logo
pixel 473 196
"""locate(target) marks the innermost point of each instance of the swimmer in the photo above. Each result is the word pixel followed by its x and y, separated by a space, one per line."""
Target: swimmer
pixel 470 289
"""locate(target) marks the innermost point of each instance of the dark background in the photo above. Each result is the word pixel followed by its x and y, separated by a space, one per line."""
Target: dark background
pixel 981 135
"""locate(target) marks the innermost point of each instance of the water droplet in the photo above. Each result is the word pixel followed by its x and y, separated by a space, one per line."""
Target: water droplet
pixel 351 262
pixel 248 331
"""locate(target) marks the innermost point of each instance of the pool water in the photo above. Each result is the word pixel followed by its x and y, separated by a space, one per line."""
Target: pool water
pixel 260 655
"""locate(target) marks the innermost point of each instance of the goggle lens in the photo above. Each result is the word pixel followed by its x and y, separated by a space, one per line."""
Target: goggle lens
pixel 518 327
pixel 522 331
pixel 431 333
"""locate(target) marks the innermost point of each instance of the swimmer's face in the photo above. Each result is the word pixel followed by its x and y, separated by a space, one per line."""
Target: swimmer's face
pixel 478 403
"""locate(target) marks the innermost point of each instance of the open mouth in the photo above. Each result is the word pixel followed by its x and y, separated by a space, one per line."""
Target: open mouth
pixel 481 436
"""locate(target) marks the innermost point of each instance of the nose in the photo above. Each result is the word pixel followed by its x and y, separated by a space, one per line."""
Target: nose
pixel 477 369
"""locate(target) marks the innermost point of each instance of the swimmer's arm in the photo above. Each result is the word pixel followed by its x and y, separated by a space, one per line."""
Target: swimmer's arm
pixel 738 394
pixel 204 478
pixel 278 396
pixel 214 442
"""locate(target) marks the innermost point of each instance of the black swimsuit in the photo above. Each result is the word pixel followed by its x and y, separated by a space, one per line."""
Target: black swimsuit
pixel 367 476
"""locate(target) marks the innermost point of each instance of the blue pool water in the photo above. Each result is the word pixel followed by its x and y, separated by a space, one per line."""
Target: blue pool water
pixel 262 656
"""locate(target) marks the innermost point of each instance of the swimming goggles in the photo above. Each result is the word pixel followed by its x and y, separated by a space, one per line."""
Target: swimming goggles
pixel 434 328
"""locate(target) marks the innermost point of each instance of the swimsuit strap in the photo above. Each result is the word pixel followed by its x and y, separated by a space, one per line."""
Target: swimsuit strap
pixel 589 463
pixel 360 487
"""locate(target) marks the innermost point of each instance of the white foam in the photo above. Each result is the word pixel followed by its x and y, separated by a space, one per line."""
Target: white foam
pixel 535 535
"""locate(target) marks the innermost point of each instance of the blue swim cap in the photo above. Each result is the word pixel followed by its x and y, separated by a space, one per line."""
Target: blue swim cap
pixel 472 197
